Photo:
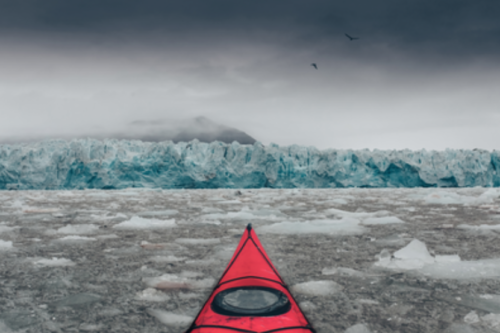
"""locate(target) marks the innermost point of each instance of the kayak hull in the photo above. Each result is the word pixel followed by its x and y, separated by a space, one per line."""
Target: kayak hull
pixel 250 269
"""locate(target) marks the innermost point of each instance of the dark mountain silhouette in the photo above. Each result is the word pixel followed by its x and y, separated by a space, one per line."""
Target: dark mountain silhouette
pixel 200 128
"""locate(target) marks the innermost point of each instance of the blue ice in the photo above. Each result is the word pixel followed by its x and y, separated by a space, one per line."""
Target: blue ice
pixel 115 164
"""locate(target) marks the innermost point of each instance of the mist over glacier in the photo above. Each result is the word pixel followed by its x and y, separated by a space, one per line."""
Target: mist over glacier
pixel 115 164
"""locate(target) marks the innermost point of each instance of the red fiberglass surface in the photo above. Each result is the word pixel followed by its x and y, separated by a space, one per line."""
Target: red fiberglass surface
pixel 250 267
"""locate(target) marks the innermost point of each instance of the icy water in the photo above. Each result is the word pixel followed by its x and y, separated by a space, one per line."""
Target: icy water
pixel 357 260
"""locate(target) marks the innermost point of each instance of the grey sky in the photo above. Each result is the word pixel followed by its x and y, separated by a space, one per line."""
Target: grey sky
pixel 424 74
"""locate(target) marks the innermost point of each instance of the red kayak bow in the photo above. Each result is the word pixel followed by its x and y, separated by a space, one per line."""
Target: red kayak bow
pixel 250 297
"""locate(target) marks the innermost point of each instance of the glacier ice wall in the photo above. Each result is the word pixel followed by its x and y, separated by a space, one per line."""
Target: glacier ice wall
pixel 113 164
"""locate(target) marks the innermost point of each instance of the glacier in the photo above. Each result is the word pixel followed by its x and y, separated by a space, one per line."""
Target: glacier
pixel 118 164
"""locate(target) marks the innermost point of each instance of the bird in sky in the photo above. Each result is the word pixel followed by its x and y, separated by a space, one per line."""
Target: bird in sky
pixel 351 38
pixel 314 65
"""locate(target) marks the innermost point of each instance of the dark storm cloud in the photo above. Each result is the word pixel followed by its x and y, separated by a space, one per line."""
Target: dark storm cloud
pixel 448 28
pixel 423 72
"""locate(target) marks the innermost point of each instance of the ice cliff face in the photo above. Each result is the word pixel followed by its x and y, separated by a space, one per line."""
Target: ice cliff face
pixel 113 164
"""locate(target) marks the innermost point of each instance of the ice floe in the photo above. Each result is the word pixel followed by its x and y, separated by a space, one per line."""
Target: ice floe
pixel 75 239
pixel 5 229
pixel 79 229
pixel 247 214
pixel 343 271
pixel 54 262
pixel 345 226
pixel 152 295
pixel 5 245
pixel 198 241
pixel 140 223
pixel 167 259
pixel 382 220
pixel 317 288
pixel 479 227
pixel 449 197
pixel 170 319
pixel 415 257
pixel 358 328
pixel 158 213
pixel 174 282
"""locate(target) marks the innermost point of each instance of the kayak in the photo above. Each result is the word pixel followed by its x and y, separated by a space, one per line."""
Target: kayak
pixel 250 297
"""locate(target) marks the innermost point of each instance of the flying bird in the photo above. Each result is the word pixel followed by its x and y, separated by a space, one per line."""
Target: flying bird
pixel 351 38
pixel 314 65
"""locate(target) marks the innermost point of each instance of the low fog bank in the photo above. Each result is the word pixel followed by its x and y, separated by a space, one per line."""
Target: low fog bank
pixel 200 128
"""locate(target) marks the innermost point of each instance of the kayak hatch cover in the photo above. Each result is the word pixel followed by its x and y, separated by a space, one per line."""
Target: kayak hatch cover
pixel 250 297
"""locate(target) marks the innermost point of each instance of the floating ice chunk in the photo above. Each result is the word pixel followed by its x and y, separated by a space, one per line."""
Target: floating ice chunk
pixel 356 215
pixel 158 213
pixel 416 257
pixel 471 318
pixel 477 302
pixel 77 300
pixel 140 223
pixel 415 250
pixel 382 220
pixel 492 320
pixel 339 201
pixel 4 228
pixel 35 210
pixel 198 241
pixel 479 227
pixel 413 256
pixel 345 226
pixel 106 217
pixel 246 214
pixel 214 222
pixel 229 202
pixel 307 306
pixel 54 262
pixel 461 328
pixel 447 258
pixel 173 282
pixel 367 301
pixel 447 197
pixel 153 246
pixel 342 271
pixel 110 236
pixel 74 238
pixel 5 245
pixel 90 327
pixel 358 328
pixel 464 270
pixel 170 319
pixel 152 295
pixel 184 296
pixel 317 288
pixel 211 210
pixel 79 229
pixel 4 328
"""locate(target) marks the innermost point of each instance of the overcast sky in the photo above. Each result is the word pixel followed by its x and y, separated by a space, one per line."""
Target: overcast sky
pixel 424 73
